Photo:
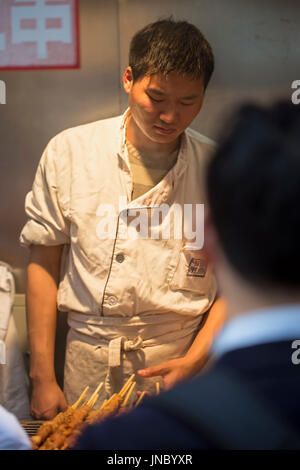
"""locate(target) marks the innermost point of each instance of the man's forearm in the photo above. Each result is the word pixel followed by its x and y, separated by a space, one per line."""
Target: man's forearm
pixel 41 305
pixel 202 343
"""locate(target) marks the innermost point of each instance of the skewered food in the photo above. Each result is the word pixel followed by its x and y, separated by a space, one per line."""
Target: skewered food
pixel 49 427
pixel 62 432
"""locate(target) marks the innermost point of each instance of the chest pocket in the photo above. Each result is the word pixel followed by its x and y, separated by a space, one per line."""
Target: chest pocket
pixel 192 273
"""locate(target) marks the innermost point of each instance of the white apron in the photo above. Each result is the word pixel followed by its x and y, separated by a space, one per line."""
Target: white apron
pixel 110 349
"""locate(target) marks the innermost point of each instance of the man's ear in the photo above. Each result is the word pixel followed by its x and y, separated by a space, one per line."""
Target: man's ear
pixel 128 80
pixel 211 244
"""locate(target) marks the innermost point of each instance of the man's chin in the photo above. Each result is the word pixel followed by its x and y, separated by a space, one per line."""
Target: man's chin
pixel 163 138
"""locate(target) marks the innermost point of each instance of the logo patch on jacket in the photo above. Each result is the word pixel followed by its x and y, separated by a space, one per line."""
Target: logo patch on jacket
pixel 197 267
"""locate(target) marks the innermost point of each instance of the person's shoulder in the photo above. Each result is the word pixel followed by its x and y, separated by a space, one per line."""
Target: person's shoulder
pixel 85 131
pixel 200 139
pixel 200 147
pixel 71 146
pixel 71 143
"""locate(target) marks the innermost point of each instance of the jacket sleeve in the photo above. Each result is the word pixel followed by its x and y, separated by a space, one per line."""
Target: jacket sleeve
pixel 47 204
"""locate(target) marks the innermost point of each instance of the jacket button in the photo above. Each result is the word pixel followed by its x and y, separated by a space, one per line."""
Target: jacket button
pixel 112 300
pixel 120 257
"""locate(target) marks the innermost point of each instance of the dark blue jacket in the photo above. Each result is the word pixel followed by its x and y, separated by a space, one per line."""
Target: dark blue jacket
pixel 266 368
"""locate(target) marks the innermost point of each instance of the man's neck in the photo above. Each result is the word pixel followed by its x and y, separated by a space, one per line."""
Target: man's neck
pixel 248 299
pixel 243 296
pixel 146 146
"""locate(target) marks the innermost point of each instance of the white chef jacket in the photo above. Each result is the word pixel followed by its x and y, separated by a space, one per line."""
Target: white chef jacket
pixel 127 292
pixel 12 435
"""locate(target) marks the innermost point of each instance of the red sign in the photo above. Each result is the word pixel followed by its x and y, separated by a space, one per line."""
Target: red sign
pixel 39 34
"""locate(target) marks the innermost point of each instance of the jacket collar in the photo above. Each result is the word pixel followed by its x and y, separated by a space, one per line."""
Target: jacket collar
pixel 174 176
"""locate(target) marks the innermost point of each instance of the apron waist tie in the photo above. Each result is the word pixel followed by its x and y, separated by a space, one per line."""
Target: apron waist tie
pixel 115 346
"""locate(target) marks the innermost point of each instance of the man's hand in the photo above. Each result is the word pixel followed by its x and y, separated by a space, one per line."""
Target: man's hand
pixel 47 400
pixel 184 368
pixel 173 371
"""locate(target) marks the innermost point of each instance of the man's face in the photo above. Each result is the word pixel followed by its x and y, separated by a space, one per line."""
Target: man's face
pixel 162 108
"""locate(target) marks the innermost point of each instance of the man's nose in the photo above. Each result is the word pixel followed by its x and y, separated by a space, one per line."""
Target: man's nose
pixel 169 114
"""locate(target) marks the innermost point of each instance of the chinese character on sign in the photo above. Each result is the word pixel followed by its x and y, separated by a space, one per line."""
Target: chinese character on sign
pixel 38 34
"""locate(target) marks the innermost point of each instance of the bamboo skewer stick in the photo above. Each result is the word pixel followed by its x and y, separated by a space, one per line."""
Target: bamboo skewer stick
pixel 110 399
pixel 125 389
pixel 125 386
pixel 103 404
pixel 157 388
pixel 140 399
pixel 93 400
pixel 128 394
pixel 81 398
pixel 94 394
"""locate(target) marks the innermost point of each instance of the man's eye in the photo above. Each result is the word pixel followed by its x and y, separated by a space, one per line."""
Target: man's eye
pixel 155 101
pixel 187 104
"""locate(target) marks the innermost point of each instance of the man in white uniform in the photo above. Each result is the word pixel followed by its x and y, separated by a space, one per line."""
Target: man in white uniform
pixel 111 229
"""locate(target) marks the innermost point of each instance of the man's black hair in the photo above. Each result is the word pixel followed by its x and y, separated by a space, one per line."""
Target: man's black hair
pixel 253 185
pixel 171 46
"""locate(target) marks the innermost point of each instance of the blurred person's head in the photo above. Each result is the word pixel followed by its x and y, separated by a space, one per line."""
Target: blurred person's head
pixel 170 65
pixel 252 231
